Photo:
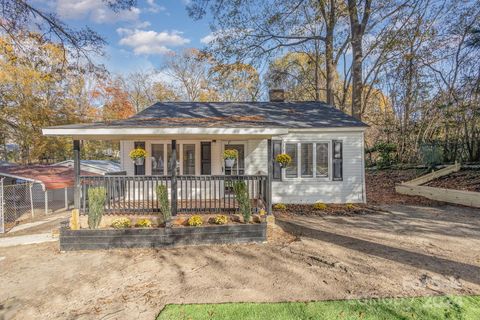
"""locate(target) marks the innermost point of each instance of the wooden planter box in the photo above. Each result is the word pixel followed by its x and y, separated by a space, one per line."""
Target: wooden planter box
pixel 160 237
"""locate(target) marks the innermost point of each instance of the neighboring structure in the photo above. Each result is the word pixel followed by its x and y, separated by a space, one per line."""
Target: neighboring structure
pixel 326 146
pixel 102 167
pixel 27 191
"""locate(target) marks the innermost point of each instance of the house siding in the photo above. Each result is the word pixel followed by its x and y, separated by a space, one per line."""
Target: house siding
pixel 351 189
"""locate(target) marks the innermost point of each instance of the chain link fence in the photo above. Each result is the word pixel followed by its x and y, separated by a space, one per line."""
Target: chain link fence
pixel 28 200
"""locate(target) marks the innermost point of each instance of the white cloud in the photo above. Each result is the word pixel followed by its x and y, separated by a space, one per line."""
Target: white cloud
pixel 95 10
pixel 154 7
pixel 150 41
pixel 208 38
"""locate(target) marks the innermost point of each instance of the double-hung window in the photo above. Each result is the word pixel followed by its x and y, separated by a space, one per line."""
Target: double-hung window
pixel 309 160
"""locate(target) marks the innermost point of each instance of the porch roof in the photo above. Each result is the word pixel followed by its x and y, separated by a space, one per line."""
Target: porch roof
pixel 216 118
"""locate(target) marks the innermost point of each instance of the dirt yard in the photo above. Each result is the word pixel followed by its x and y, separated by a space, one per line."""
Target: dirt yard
pixel 409 252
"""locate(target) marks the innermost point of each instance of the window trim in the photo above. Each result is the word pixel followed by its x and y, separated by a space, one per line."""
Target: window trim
pixel 314 156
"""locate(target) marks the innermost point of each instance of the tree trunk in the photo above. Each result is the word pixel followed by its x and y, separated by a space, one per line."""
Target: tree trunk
pixel 330 67
pixel 357 29
pixel 357 79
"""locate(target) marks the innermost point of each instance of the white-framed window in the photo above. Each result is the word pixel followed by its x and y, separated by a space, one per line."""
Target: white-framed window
pixel 160 153
pixel 310 159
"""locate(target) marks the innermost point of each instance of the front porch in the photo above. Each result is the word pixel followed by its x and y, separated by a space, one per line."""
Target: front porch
pixel 187 194
pixel 192 171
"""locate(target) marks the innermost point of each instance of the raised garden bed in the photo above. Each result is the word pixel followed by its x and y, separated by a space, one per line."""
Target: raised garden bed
pixel 85 239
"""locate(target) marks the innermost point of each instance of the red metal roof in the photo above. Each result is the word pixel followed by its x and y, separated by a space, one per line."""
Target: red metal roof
pixel 52 177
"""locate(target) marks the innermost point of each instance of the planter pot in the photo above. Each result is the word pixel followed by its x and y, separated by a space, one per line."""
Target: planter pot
pixel 139 161
pixel 229 163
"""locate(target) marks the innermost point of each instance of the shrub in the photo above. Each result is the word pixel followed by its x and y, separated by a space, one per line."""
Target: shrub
pixel 96 206
pixel 284 159
pixel 279 206
pixel 137 153
pixel 143 223
pixel 241 194
pixel 162 197
pixel 121 223
pixel 319 206
pixel 220 219
pixel 195 221
pixel 385 152
pixel 230 154
pixel 350 206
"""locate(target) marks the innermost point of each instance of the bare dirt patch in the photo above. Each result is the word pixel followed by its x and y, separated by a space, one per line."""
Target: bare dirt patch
pixel 409 252
pixel 465 180
pixel 381 187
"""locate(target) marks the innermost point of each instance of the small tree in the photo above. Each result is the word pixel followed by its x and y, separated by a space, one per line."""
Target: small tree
pixel 96 206
pixel 241 194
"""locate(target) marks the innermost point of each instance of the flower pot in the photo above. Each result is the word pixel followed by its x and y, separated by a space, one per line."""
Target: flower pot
pixel 229 163
pixel 139 161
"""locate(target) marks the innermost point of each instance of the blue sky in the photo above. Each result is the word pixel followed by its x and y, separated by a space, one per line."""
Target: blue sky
pixel 139 38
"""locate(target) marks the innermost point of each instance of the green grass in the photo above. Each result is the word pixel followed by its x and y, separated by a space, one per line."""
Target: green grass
pixel 424 308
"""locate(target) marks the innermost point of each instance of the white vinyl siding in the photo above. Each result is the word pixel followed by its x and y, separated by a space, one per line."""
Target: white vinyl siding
pixel 311 190
pixel 295 190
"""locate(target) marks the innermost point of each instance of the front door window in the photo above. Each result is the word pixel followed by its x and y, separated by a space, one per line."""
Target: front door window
pixel 157 160
pixel 188 159
pixel 239 166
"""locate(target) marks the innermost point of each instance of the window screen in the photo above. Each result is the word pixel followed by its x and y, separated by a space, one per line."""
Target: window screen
pixel 189 159
pixel 157 159
pixel 306 160
pixel 337 159
pixel 322 160
pixel 206 158
pixel 292 170
pixel 277 149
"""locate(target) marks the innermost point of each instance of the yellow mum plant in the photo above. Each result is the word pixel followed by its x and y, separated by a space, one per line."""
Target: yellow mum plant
pixel 121 223
pixel 350 206
pixel 137 153
pixel 279 206
pixel 283 159
pixel 221 219
pixel 143 223
pixel 319 206
pixel 230 154
pixel 195 221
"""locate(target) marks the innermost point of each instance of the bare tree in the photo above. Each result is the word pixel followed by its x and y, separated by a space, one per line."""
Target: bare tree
pixel 190 69
pixel 23 16
pixel 253 31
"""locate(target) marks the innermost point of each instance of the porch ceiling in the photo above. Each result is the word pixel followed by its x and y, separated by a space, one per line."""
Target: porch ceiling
pixel 165 133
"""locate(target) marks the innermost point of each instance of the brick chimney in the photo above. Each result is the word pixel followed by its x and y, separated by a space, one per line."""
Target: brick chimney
pixel 277 95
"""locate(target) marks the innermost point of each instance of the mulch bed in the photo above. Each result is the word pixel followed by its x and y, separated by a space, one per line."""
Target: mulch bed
pixel 331 210
pixel 465 180
pixel 381 187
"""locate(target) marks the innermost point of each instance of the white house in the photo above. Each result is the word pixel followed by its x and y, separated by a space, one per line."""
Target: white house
pixel 325 144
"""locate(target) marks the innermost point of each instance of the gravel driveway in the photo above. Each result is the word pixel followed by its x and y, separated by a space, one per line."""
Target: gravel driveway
pixel 409 252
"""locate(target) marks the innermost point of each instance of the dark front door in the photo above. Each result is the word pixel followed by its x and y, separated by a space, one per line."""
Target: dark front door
pixel 239 166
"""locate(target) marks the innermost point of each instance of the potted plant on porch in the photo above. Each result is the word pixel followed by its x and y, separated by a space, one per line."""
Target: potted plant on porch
pixel 283 159
pixel 230 155
pixel 138 156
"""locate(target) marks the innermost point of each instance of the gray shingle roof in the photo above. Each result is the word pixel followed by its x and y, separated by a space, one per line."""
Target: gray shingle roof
pixel 234 115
